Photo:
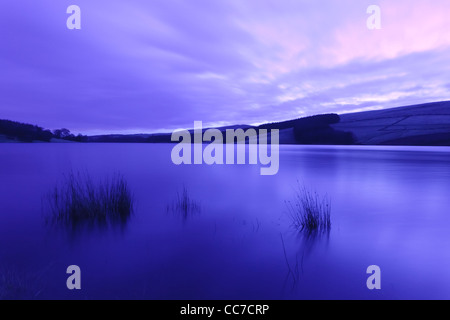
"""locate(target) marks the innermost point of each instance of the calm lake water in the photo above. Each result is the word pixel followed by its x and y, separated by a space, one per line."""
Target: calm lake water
pixel 390 207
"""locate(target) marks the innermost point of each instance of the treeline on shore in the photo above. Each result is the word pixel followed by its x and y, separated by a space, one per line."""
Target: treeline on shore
pixel 24 132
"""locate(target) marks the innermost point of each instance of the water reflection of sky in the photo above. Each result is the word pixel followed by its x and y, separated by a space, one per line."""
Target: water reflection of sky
pixel 389 207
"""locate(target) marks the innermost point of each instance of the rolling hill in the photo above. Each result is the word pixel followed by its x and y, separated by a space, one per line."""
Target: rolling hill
pixel 423 124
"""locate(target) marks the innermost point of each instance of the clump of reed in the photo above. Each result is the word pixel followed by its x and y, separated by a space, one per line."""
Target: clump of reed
pixel 309 211
pixel 184 204
pixel 79 199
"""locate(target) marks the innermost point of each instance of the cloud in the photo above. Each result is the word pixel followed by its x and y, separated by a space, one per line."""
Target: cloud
pixel 146 65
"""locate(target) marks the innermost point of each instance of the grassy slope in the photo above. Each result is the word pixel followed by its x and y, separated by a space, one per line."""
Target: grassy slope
pixel 425 124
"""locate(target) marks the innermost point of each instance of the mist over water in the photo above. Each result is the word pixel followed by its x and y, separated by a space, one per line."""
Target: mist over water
pixel 389 207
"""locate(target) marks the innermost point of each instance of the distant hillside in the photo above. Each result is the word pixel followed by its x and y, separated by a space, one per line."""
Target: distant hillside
pixel 316 129
pixel 424 124
pixel 131 138
pixel 418 125
pixel 149 138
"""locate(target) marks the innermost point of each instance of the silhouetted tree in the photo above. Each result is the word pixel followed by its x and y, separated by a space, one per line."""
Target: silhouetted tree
pixel 80 138
pixel 61 133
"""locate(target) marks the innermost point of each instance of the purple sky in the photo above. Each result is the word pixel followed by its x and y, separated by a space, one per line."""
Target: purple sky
pixel 145 66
